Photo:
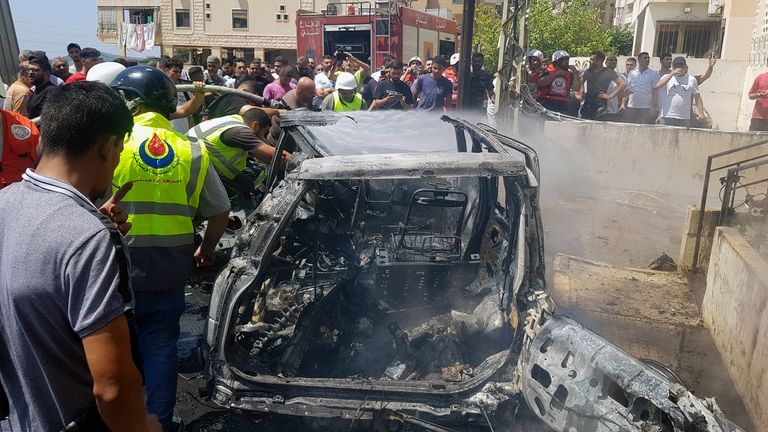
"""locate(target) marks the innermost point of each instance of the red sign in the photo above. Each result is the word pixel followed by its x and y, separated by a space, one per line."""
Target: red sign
pixel 419 19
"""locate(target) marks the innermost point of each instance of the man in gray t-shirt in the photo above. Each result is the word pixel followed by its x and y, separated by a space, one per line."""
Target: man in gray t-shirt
pixel 65 353
pixel 594 87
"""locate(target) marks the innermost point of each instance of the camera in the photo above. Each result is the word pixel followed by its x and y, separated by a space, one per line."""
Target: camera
pixel 340 56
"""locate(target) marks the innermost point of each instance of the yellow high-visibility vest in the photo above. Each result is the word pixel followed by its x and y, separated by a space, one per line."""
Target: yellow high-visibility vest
pixel 228 161
pixel 339 105
pixel 168 172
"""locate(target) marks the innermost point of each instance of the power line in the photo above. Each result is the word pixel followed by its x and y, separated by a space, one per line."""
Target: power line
pixel 50 25
pixel 43 32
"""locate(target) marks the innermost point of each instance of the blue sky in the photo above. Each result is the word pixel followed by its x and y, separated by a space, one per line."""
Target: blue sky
pixel 50 25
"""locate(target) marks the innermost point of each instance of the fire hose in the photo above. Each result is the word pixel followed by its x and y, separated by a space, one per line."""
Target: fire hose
pixel 256 99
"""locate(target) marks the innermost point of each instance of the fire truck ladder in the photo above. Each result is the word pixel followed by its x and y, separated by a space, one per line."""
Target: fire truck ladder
pixel 384 9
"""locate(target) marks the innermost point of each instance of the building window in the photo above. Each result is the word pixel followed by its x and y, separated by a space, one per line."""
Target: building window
pixel 695 39
pixel 107 20
pixel 239 18
pixel 141 16
pixel 281 17
pixel 282 8
pixel 182 17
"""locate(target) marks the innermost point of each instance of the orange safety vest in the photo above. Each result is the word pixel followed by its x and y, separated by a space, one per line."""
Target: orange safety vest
pixel 559 89
pixel 18 146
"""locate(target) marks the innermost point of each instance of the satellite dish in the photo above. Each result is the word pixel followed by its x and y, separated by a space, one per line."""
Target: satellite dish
pixel 331 9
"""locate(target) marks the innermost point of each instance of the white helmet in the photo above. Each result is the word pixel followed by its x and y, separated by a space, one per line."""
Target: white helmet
pixel 104 72
pixel 455 58
pixel 557 55
pixel 346 81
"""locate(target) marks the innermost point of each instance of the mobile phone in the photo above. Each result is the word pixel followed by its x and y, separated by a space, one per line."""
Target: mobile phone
pixel 340 56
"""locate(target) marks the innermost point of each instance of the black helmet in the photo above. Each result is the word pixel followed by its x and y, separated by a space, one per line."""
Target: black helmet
pixel 146 85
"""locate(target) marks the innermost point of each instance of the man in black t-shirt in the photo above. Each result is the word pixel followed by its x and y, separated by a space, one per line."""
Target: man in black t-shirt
pixel 480 84
pixel 392 93
pixel 594 87
pixel 39 76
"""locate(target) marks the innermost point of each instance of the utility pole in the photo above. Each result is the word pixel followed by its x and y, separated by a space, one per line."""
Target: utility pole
pixel 513 42
pixel 467 30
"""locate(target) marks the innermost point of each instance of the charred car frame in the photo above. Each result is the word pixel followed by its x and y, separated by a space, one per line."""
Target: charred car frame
pixel 409 287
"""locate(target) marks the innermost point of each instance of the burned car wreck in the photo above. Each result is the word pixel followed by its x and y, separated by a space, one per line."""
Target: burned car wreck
pixel 382 284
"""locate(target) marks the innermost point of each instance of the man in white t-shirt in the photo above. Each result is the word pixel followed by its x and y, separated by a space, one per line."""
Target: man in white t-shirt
pixel 323 83
pixel 678 91
pixel 640 104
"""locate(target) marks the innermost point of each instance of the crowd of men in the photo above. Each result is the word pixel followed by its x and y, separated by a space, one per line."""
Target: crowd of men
pixel 98 200
pixel 668 96
pixel 116 168
pixel 342 82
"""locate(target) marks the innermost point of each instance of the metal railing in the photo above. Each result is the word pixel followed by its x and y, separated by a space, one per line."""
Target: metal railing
pixel 731 183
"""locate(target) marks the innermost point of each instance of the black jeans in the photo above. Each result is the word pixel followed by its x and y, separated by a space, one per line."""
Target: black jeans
pixel 758 125
pixel 638 115
pixel 676 122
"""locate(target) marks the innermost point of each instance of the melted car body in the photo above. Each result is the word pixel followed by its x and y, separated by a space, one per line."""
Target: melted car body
pixel 410 281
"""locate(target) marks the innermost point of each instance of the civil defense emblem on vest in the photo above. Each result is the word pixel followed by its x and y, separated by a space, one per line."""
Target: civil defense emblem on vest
pixel 157 155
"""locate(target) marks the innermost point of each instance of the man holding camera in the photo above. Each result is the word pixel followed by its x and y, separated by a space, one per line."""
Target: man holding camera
pixel 393 93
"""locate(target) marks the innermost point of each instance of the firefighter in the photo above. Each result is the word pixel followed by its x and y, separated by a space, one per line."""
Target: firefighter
pixel 230 139
pixel 346 97
pixel 19 138
pixel 173 183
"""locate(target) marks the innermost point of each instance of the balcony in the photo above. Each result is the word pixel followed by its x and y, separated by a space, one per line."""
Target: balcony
pixel 112 13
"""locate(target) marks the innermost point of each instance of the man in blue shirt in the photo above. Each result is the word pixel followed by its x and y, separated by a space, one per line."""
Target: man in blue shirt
pixel 433 91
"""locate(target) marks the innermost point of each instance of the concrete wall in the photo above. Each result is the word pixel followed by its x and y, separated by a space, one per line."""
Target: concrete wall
pixel 648 157
pixel 618 193
pixel 739 16
pixel 735 311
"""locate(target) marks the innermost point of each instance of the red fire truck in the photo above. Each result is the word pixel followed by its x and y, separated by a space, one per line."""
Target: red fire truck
pixel 368 30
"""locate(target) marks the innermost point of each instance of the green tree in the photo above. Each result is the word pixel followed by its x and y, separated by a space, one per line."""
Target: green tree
pixel 573 26
pixel 621 40
pixel 487 28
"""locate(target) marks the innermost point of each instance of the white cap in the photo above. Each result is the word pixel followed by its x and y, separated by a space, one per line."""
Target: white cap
pixel 346 81
pixel 455 58
pixel 413 59
pixel 104 72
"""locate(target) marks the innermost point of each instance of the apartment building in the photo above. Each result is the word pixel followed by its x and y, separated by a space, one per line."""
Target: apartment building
pixel 194 29
pixel 694 28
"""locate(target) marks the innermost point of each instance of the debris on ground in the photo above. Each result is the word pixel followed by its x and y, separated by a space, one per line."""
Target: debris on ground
pixel 663 263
